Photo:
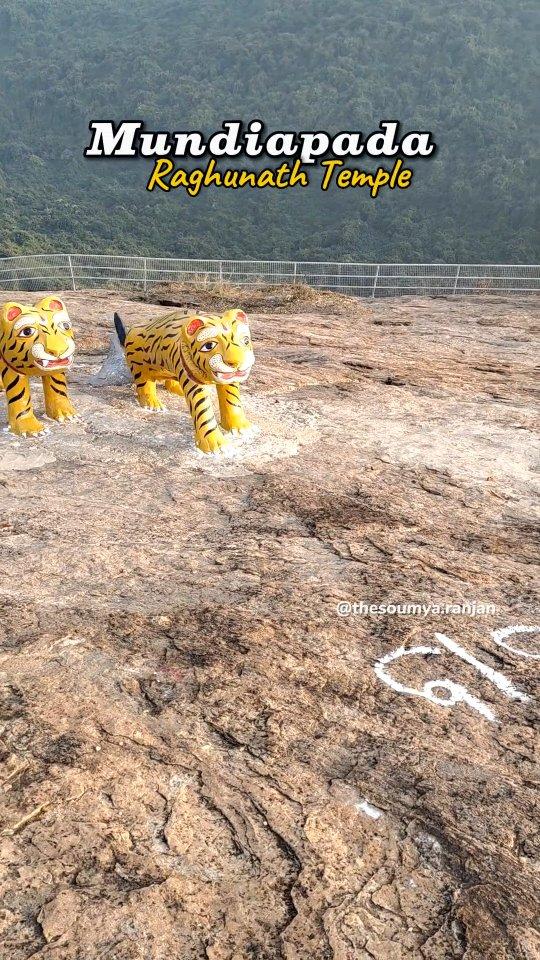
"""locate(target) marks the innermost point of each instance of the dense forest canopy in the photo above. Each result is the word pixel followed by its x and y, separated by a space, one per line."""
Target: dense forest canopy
pixel 459 69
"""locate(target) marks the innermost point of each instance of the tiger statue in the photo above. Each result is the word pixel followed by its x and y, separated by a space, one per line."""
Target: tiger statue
pixel 190 354
pixel 35 341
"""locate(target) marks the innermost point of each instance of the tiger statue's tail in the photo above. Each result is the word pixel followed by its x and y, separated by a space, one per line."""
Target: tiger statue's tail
pixel 120 329
pixel 114 370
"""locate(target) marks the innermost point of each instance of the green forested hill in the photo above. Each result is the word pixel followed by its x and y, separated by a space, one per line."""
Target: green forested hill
pixel 460 69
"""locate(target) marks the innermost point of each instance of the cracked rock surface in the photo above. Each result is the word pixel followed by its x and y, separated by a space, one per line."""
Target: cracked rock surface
pixel 199 759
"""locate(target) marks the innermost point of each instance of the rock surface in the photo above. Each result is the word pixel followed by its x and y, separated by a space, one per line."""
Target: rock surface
pixel 200 759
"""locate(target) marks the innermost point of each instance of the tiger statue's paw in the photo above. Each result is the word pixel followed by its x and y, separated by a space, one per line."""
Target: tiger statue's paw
pixel 62 411
pixel 239 426
pixel 28 426
pixel 155 406
pixel 249 430
pixel 70 418
pixel 214 443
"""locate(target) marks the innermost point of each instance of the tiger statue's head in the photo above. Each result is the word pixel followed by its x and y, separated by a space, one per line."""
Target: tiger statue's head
pixel 217 350
pixel 36 340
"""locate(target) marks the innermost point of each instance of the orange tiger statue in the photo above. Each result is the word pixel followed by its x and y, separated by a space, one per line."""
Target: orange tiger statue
pixel 35 341
pixel 189 355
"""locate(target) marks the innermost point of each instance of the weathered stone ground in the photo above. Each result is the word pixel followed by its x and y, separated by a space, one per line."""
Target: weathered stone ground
pixel 210 764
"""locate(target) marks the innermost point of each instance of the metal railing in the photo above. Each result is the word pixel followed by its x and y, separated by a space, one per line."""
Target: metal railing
pixel 64 271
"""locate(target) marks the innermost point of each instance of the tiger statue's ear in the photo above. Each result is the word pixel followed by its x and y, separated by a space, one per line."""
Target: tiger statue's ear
pixel 230 315
pixel 194 324
pixel 9 313
pixel 52 303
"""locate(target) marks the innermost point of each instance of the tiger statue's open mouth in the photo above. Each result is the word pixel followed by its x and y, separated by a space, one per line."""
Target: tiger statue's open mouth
pixel 54 363
pixel 47 361
pixel 235 375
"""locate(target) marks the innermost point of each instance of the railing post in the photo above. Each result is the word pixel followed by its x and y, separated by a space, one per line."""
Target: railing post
pixel 221 271
pixel 145 275
pixel 375 281
pixel 458 271
pixel 71 272
pixel 295 271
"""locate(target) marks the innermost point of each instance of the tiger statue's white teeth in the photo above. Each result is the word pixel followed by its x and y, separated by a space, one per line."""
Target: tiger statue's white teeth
pixel 54 363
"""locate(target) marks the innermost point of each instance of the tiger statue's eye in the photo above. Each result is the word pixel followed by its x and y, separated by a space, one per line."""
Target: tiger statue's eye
pixel 209 345
pixel 246 341
pixel 65 325
pixel 27 331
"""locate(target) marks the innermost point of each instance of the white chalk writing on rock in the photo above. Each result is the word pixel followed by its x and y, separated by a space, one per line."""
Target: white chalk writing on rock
pixel 447 693
pixel 456 693
pixel 500 636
